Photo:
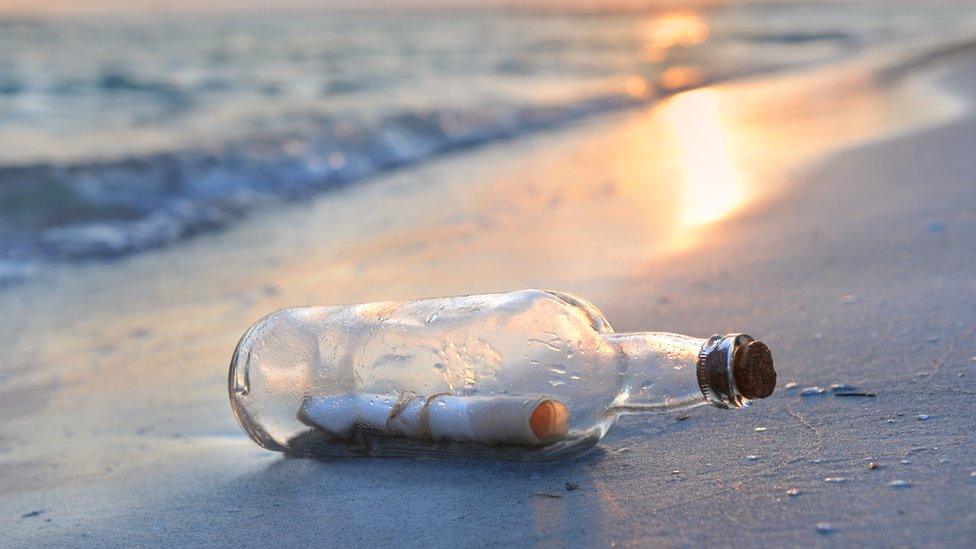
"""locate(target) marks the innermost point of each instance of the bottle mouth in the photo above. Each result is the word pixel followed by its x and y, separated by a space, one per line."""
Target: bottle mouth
pixel 734 369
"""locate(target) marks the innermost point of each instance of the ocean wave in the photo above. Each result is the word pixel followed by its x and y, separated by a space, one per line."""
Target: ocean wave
pixel 255 91
pixel 112 208
pixel 801 37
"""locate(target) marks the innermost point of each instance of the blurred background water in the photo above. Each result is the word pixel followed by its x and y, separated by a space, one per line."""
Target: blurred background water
pixel 122 133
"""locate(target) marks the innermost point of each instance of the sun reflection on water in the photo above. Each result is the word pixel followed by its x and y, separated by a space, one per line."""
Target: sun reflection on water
pixel 675 29
pixel 713 184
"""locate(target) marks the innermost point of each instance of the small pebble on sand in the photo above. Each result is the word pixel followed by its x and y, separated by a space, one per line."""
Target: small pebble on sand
pixel 824 528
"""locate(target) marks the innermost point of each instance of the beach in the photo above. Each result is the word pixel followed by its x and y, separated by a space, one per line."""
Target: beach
pixel 841 235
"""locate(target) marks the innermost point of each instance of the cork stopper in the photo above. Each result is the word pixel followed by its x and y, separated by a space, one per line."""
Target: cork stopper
pixel 550 420
pixel 735 369
pixel 752 369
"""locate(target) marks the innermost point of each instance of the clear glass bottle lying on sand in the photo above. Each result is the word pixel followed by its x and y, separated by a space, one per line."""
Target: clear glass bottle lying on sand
pixel 522 375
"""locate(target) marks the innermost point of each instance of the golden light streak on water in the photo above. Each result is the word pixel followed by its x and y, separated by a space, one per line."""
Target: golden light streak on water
pixel 674 29
pixel 713 185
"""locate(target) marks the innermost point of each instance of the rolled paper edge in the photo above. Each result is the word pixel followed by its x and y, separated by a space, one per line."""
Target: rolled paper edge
pixel 550 420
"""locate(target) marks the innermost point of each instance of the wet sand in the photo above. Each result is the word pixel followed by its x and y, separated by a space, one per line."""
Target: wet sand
pixel 829 213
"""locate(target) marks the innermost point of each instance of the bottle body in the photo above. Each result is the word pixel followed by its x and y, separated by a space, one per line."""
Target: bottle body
pixel 521 375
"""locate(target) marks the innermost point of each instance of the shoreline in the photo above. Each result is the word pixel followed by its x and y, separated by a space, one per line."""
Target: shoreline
pixel 851 80
pixel 163 226
pixel 598 209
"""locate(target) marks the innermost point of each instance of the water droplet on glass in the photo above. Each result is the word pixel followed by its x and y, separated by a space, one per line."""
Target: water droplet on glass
pixel 559 371
pixel 752 457
pixel 793 492
pixel 899 483
pixel 923 417
pixel 824 528
pixel 812 391
pixel 759 429
pixel 906 461
pixel 791 385
pixel 873 465
pixel 835 480
pixel 839 387
pixel 676 472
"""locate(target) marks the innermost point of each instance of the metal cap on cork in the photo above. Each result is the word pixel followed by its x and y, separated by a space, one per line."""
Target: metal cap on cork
pixel 735 368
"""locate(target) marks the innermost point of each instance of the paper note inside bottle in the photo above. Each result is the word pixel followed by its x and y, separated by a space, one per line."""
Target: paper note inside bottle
pixel 524 420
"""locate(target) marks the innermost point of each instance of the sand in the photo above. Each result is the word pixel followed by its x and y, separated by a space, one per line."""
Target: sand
pixel 841 234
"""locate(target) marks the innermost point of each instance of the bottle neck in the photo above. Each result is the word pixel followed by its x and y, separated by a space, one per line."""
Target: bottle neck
pixel 671 372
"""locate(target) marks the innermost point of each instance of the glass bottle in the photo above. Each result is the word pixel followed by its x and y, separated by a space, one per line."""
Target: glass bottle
pixel 523 375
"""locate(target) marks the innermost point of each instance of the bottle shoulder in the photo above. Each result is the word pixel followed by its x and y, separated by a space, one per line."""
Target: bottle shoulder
pixel 593 315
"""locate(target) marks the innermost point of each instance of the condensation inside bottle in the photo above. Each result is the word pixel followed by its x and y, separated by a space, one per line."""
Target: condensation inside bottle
pixel 521 375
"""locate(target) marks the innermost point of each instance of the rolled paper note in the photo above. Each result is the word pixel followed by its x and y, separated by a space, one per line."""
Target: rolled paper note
pixel 526 420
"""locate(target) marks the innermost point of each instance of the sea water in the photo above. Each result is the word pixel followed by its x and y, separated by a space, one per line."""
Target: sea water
pixel 119 134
